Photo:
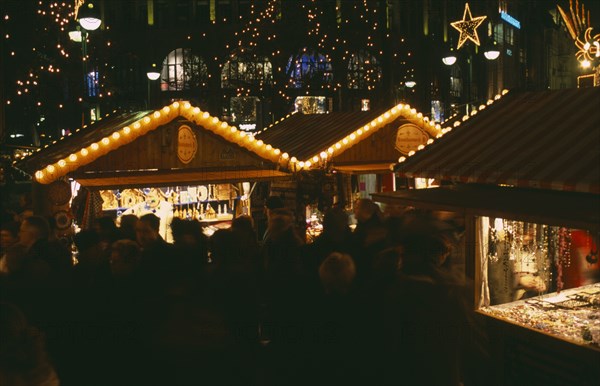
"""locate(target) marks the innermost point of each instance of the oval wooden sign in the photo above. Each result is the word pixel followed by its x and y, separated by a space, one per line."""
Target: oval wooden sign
pixel 187 145
pixel 409 137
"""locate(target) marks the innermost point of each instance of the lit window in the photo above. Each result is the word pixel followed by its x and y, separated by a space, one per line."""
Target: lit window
pixel 311 104
pixel 364 72
pixel 181 70
pixel 246 69
pixel 309 68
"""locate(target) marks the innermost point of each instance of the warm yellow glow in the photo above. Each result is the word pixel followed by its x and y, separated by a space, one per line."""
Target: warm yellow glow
pixel 293 160
pixel 50 168
pixel 394 110
pixel 380 119
pixel 136 125
pixel 215 120
pixel 323 155
pixel 386 115
pixel 94 146
pixel 307 164
pixel 410 153
pixel 62 163
pixel 419 115
pixel 315 159
pixel 504 92
pixel 430 141
pixel 84 152
pixel 186 105
pixel 224 125
pixel 276 151
pixel 285 156
pixel 330 150
pixel 352 137
pixel 420 147
pixel 373 124
pixel 205 115
pixel 456 124
pixel 260 142
pixel 39 175
pixel 126 130
pixel 156 114
pixel 464 118
pixel 116 135
pixel 146 120
pixel 359 132
pixel 338 146
pixel 481 107
pixel 345 141
pixel 301 164
pixel 196 110
pixel 468 27
pixel 401 159
pixel 166 109
pixel 72 158
pixel 268 147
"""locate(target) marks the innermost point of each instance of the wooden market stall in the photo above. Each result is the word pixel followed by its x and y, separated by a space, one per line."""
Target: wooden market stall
pixel 524 175
pixel 336 149
pixel 175 161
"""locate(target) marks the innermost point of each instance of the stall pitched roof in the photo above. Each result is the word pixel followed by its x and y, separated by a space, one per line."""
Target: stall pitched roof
pixel 293 143
pixel 547 139
pixel 309 137
pixel 86 145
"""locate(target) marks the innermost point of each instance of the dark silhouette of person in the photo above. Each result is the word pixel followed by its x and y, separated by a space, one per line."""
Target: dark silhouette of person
pixel 368 237
pixel 427 318
pixel 127 227
pixel 336 237
pixel 23 357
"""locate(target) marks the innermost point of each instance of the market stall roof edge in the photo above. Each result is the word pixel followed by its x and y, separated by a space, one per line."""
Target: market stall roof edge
pixel 315 137
pixel 546 139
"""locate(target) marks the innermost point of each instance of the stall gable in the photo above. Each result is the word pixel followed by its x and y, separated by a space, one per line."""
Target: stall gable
pixel 162 148
pixel 381 147
pixel 96 146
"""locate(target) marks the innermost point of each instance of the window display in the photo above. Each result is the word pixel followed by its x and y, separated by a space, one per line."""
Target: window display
pixel 210 204
pixel 542 277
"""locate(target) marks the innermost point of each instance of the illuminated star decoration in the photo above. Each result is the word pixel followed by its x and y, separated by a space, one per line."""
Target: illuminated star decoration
pixel 468 27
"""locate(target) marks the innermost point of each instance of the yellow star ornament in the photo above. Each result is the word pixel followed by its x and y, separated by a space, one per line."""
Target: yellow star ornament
pixel 468 27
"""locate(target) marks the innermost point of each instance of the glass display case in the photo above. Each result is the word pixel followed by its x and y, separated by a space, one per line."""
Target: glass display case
pixel 541 277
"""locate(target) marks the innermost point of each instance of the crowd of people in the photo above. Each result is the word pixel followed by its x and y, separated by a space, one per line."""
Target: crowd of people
pixel 379 304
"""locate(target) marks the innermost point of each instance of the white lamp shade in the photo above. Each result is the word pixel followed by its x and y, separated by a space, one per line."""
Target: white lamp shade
pixel 90 23
pixel 449 60
pixel 410 83
pixel 75 36
pixel 491 54
pixel 153 75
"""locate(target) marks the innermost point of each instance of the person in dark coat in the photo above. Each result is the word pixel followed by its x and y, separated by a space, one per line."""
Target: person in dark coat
pixel 430 336
pixel 369 236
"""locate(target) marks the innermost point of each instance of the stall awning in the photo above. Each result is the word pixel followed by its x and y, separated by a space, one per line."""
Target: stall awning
pixel 577 210
pixel 548 139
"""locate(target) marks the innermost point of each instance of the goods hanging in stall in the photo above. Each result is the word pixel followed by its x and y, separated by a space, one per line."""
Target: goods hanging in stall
pixel 524 177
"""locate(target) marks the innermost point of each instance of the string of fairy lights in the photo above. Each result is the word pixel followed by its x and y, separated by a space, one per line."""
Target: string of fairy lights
pixel 259 38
